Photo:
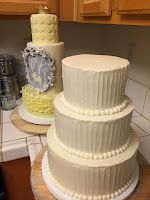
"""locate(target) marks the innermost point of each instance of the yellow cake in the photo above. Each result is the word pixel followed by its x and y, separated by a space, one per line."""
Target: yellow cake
pixel 40 104
pixel 44 28
pixel 39 101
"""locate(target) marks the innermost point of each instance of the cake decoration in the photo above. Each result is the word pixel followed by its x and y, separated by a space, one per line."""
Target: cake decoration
pixel 40 68
pixel 43 9
pixel 96 112
pixel 39 104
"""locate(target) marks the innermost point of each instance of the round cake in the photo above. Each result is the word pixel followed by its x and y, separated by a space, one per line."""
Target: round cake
pixel 42 59
pixel 91 148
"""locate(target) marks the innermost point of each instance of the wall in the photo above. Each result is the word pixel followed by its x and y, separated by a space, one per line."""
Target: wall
pixel 14 35
pixel 133 43
pixel 130 42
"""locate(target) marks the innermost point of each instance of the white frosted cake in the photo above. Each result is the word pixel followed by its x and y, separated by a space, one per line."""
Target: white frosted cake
pixel 91 149
pixel 42 58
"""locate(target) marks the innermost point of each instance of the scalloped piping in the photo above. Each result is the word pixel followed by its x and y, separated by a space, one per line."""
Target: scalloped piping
pixel 109 111
pixel 77 196
pixel 91 155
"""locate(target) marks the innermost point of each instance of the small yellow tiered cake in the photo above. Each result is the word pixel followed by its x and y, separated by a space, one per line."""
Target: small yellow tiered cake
pixel 42 59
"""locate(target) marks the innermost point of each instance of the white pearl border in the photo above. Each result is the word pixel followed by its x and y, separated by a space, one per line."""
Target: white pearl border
pixel 109 111
pixel 89 197
pixel 91 155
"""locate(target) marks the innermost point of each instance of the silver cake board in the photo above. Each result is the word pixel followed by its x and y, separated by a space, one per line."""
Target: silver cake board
pixel 62 196
pixel 34 119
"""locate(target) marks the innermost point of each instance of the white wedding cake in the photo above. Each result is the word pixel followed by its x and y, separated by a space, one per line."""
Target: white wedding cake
pixel 91 149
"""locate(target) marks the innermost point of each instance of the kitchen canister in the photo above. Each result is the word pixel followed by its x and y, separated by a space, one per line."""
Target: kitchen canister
pixel 6 64
pixel 1 90
pixel 8 101
pixel 10 85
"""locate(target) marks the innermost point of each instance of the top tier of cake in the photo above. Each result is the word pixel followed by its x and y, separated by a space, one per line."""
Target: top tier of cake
pixel 94 83
pixel 44 28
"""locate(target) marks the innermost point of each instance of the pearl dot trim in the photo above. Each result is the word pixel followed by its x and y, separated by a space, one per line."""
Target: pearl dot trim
pixel 91 155
pixel 89 197
pixel 109 111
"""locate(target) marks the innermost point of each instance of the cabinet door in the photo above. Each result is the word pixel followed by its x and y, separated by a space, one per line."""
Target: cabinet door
pixel 25 7
pixel 68 10
pixel 134 6
pixel 95 7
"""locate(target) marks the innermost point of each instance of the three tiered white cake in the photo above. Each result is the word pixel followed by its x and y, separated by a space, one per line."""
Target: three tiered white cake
pixel 91 149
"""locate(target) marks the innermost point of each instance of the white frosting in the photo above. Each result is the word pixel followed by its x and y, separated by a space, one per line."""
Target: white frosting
pixel 94 82
pixel 89 197
pixel 89 177
pixel 91 155
pixel 92 152
pixel 95 63
pixel 109 111
pixel 91 134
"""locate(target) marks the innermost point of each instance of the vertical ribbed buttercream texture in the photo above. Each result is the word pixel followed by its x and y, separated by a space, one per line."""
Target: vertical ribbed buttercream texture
pixel 89 135
pixel 81 131
pixel 91 178
pixel 94 90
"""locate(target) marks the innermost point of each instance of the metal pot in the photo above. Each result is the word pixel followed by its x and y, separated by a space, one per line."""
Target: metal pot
pixel 10 85
pixel 6 64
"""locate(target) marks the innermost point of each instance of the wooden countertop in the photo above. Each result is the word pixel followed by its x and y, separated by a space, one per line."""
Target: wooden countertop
pixel 41 192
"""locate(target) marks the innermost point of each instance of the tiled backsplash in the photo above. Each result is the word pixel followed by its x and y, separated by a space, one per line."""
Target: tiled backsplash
pixel 140 95
pixel 16 144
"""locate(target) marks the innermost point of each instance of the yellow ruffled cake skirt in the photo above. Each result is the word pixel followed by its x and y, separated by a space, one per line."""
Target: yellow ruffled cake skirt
pixel 39 104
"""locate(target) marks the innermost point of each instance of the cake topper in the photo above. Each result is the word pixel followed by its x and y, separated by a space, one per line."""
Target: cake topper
pixel 40 68
pixel 43 10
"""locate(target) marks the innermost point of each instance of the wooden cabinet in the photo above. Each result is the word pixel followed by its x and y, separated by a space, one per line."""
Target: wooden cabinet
pixel 133 7
pixel 68 10
pixel 25 7
pixel 131 12
pixel 95 7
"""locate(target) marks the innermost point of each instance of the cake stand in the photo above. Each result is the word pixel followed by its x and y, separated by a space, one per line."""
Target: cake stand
pixel 41 191
pixel 34 119
pixel 25 126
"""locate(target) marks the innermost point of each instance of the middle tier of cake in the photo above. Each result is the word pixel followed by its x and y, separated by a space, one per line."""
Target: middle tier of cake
pixel 36 102
pixel 94 137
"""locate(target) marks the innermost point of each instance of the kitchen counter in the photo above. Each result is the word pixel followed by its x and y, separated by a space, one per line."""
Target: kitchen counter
pixel 16 144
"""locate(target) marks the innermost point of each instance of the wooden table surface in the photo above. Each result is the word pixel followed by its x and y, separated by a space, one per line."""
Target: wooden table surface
pixel 26 126
pixel 41 192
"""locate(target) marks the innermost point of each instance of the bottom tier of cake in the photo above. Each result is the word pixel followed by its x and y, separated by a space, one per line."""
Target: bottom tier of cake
pixel 39 104
pixel 89 179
